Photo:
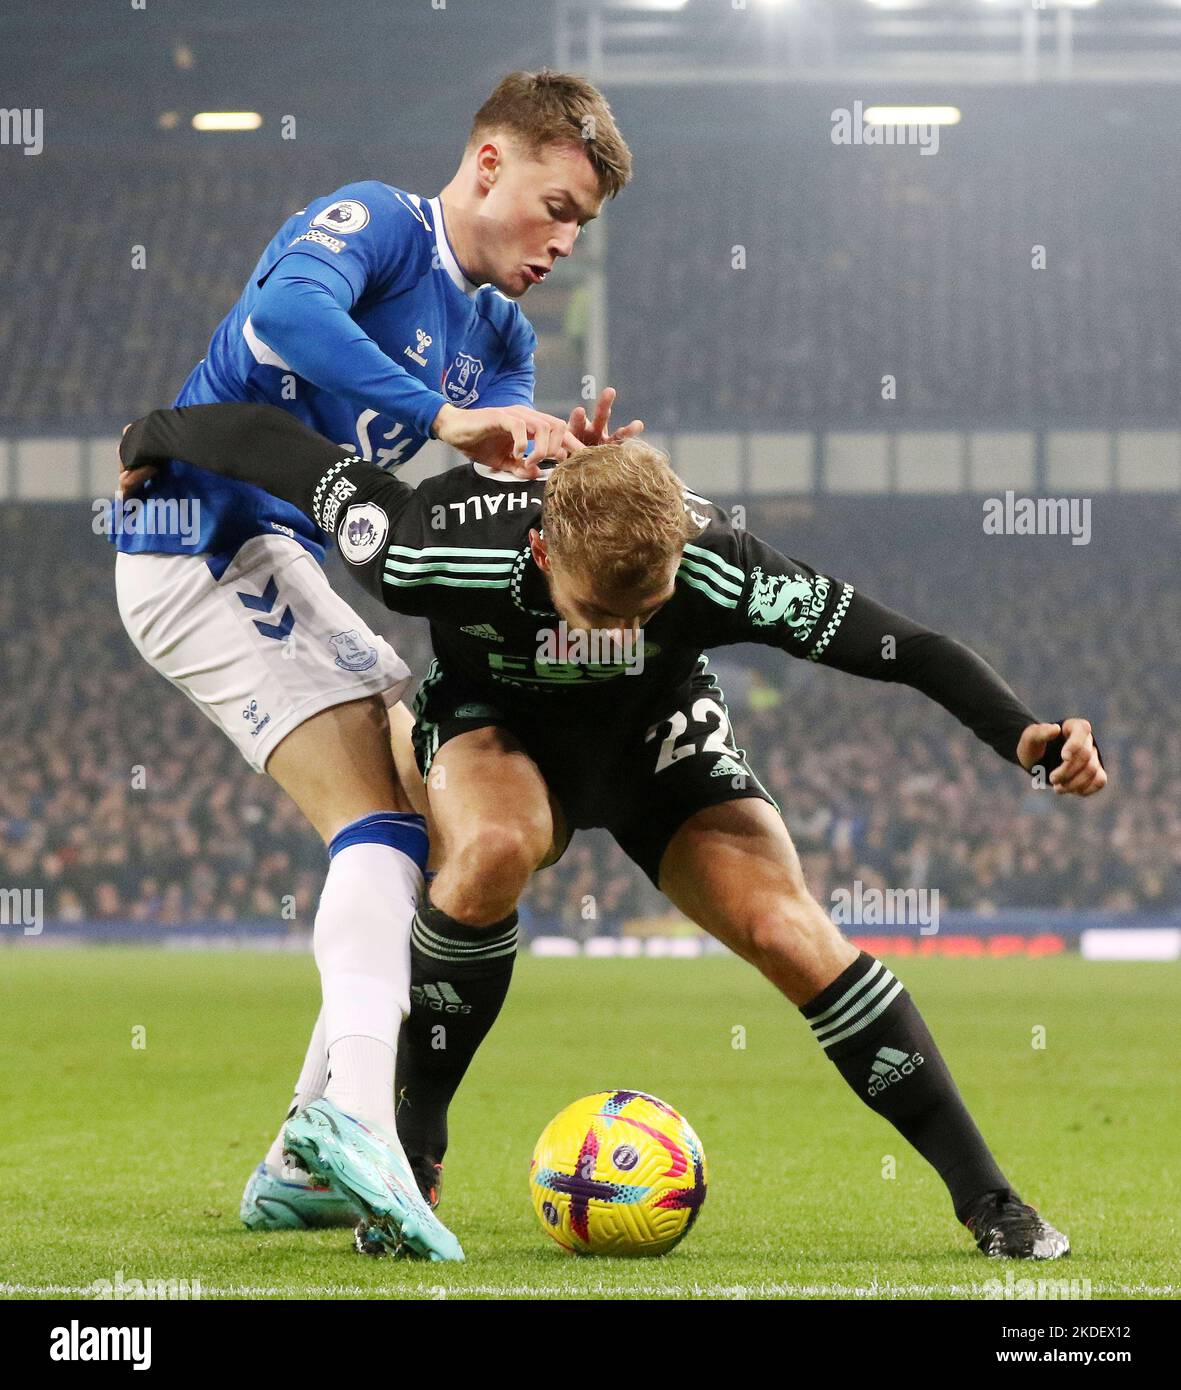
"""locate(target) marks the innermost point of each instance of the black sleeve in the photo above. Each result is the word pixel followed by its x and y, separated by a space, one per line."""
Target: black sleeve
pixel 876 642
pixel 787 604
pixel 359 503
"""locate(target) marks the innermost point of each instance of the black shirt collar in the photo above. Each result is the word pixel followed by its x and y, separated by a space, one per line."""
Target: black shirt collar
pixel 530 593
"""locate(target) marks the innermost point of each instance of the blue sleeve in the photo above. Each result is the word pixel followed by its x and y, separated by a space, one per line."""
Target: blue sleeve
pixel 515 382
pixel 367 232
pixel 302 314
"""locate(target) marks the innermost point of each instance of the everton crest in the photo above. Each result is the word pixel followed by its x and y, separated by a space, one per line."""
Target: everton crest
pixel 459 380
pixel 352 653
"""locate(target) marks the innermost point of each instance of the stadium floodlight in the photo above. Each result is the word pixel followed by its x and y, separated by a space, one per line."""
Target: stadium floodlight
pixel 912 115
pixel 227 120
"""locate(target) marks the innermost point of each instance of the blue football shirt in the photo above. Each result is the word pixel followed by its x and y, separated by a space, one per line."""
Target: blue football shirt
pixel 383 255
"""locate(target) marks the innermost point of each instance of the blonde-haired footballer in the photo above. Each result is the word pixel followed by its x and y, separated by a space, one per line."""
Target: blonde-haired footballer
pixel 524 734
pixel 381 318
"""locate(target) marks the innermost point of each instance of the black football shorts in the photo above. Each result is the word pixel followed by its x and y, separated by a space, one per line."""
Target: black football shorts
pixel 641 781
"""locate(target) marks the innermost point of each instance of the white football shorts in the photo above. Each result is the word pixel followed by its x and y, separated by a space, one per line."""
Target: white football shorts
pixel 259 650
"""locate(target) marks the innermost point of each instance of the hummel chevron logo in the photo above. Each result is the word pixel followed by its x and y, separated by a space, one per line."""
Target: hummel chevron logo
pixel 265 603
pixel 889 1066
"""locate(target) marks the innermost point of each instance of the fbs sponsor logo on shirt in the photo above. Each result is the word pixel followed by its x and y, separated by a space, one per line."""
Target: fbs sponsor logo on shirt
pixel 363 532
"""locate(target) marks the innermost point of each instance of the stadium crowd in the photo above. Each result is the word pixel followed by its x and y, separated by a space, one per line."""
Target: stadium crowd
pixel 808 274
pixel 122 802
pixel 793 306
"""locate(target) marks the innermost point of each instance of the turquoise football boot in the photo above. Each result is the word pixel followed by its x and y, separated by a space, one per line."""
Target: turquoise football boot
pixel 271 1203
pixel 371 1170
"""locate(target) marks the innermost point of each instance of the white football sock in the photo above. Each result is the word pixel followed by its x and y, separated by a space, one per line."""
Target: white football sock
pixel 312 1079
pixel 361 1081
pixel 362 949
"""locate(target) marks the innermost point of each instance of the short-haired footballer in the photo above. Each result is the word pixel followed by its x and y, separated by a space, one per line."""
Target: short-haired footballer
pixel 570 617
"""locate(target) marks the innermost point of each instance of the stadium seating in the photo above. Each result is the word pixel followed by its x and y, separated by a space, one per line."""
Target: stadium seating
pixel 882 263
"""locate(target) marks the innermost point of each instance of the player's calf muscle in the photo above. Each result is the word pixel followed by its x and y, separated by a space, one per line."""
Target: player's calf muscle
pixel 734 870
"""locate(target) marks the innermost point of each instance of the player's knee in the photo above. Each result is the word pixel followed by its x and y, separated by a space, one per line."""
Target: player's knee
pixel 495 863
pixel 783 927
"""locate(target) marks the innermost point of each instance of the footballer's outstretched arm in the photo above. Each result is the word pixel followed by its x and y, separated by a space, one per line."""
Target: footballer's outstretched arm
pixel 303 314
pixel 787 604
pixel 362 505
pixel 876 642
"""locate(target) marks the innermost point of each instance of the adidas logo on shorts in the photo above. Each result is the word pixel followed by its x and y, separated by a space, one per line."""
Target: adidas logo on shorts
pixel 890 1066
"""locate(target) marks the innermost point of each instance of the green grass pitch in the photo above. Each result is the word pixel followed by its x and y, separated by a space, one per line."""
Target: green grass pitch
pixel 132 1159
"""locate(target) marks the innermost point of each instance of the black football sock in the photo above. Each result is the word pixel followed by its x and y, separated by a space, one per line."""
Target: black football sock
pixel 459 976
pixel 868 1024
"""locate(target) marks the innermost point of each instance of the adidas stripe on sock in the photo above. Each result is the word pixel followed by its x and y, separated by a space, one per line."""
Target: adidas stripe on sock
pixel 437 937
pixel 871 994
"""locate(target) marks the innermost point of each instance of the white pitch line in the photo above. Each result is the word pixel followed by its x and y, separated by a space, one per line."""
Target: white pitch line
pixel 730 1291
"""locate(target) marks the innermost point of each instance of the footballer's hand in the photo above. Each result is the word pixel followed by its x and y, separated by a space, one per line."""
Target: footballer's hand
pixel 1080 773
pixel 131 475
pixel 496 436
pixel 598 430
